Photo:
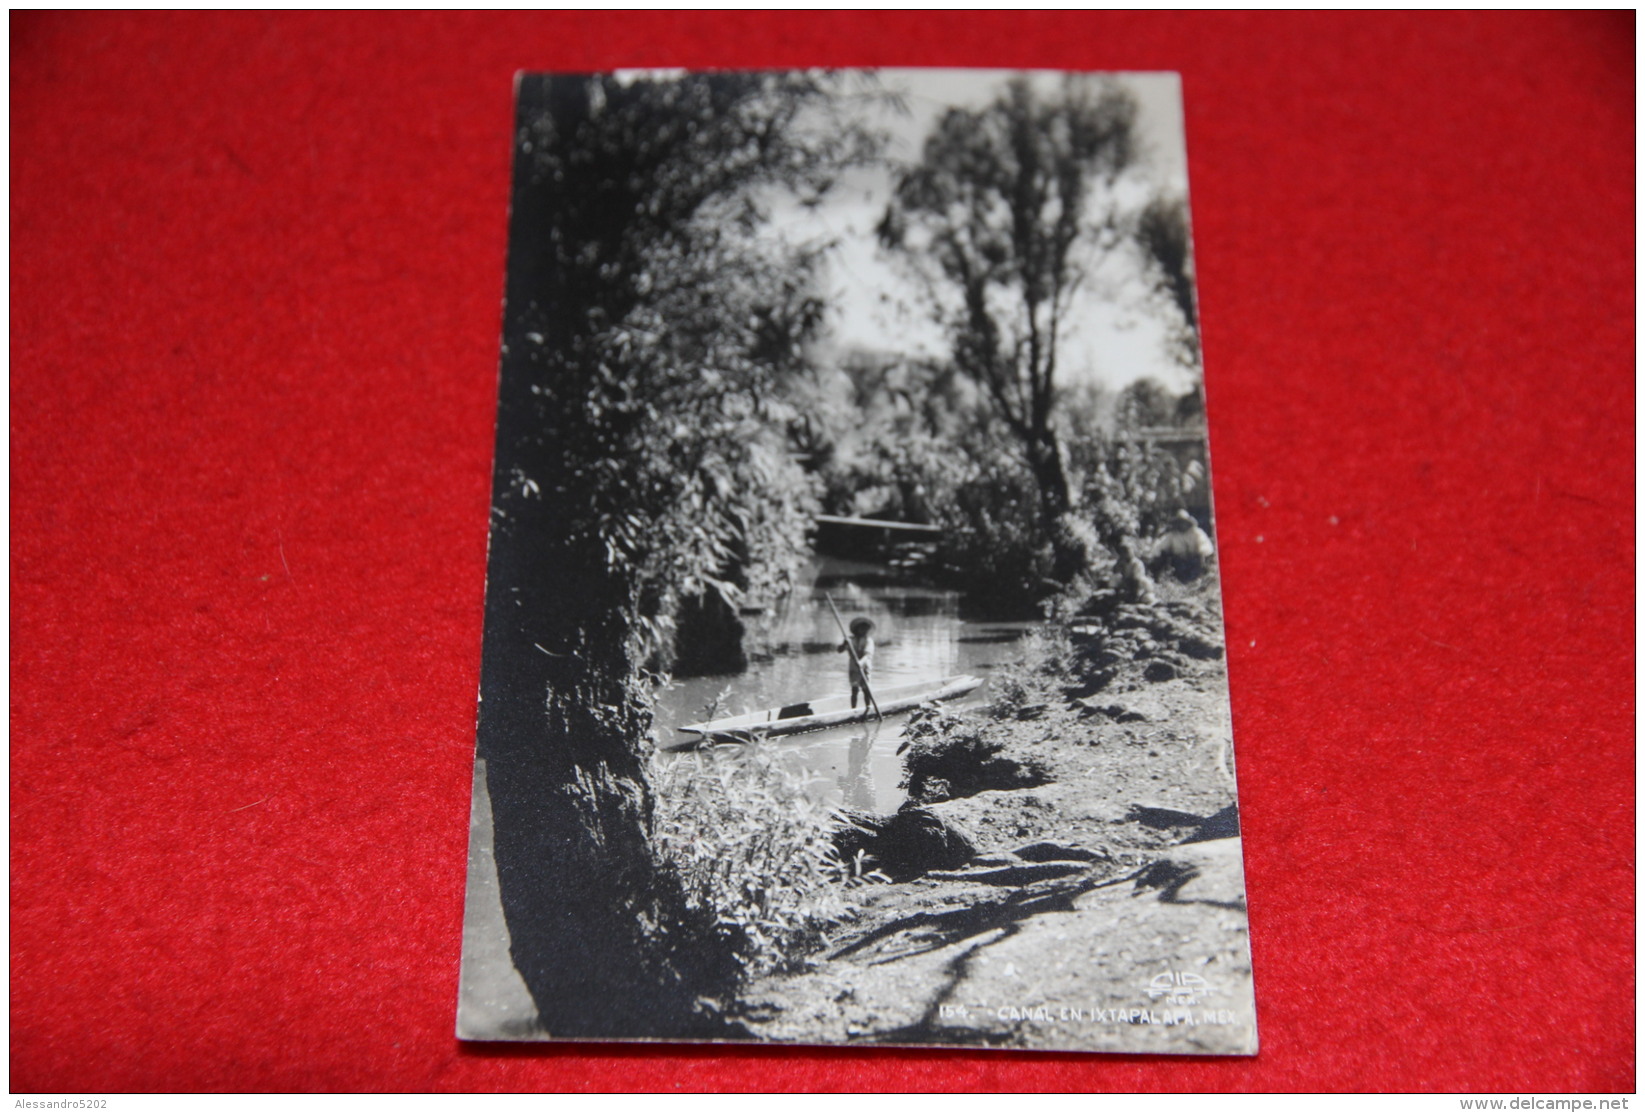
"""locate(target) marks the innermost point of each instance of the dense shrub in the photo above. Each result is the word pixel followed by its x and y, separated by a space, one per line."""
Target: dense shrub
pixel 751 847
pixel 970 476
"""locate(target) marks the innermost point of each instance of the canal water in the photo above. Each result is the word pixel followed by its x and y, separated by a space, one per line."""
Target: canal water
pixel 919 637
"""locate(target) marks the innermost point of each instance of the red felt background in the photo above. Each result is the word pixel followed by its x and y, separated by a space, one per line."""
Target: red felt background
pixel 256 270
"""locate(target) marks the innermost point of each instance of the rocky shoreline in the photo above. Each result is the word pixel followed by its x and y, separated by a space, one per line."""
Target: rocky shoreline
pixel 1067 871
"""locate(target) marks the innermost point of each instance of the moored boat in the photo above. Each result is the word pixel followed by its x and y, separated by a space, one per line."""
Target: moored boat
pixel 828 711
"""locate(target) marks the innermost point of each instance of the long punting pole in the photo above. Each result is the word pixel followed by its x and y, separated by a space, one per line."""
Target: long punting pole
pixel 851 649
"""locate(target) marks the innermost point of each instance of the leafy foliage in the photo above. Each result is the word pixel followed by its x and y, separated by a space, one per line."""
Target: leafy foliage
pixel 1162 231
pixel 672 323
pixel 752 848
pixel 996 548
pixel 993 216
pixel 648 334
pixel 1003 216
pixel 965 473
pixel 1131 484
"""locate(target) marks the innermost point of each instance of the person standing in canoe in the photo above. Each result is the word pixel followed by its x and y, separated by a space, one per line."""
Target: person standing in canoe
pixel 862 642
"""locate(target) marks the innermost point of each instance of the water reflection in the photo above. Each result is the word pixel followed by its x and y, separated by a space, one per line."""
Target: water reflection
pixel 919 637
pixel 855 767
pixel 857 782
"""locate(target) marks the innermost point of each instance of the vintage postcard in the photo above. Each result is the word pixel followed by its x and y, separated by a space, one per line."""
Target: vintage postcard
pixel 854 666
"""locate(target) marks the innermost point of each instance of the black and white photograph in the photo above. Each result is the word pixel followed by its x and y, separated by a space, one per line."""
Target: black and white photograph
pixel 853 667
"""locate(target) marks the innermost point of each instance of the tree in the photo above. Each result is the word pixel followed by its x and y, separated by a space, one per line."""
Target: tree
pixel 645 325
pixel 1162 232
pixel 998 211
pixel 1145 404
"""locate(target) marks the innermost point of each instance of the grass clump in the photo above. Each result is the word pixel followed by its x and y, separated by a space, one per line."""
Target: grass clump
pixel 1021 687
pixel 752 849
pixel 952 755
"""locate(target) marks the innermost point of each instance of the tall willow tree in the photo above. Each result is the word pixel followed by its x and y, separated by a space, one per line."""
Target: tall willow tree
pixel 647 327
pixel 999 212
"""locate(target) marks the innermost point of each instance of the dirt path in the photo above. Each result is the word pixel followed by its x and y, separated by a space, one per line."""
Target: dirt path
pixel 1103 909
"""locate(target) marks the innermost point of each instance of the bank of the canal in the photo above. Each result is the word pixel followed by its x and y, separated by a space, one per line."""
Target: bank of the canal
pixel 1116 861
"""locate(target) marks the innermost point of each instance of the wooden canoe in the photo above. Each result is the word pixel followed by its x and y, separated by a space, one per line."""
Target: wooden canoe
pixel 829 711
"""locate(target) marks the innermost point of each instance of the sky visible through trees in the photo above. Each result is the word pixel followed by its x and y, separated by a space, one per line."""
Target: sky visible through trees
pixel 1116 333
